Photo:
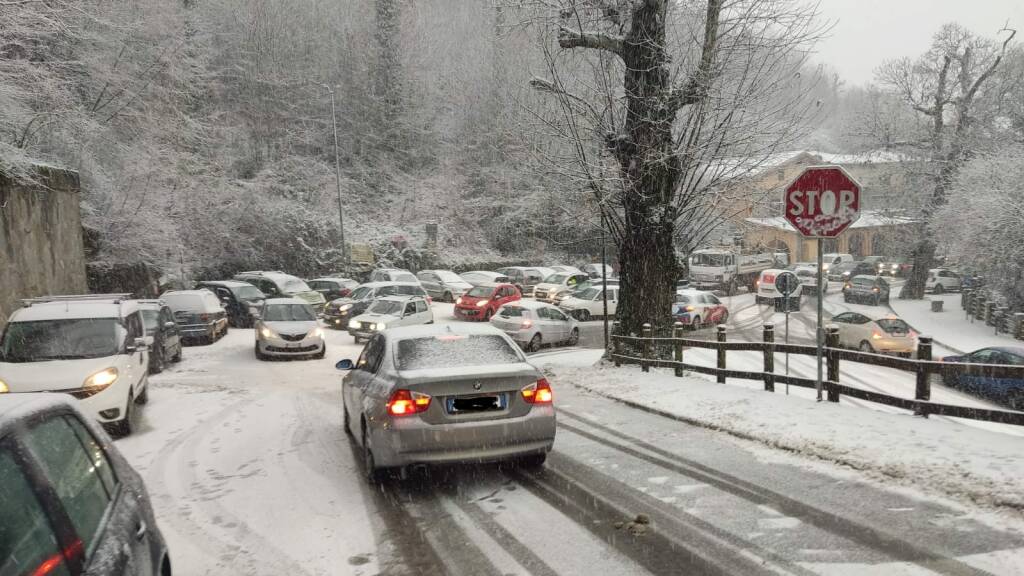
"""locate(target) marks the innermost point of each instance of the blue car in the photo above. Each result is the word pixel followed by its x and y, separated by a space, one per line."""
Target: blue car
pixel 1007 390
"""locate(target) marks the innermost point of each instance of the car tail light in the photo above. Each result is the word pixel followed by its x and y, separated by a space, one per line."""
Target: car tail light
pixel 430 300
pixel 405 403
pixel 875 289
pixel 538 393
pixel 527 323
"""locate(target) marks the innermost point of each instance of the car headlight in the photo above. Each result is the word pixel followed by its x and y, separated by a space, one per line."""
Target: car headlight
pixel 267 332
pixel 379 326
pixel 3 387
pixel 481 304
pixel 459 301
pixel 344 307
pixel 317 332
pixel 354 324
pixel 101 379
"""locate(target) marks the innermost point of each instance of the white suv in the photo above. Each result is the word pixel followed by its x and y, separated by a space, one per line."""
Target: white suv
pixel 941 280
pixel 92 347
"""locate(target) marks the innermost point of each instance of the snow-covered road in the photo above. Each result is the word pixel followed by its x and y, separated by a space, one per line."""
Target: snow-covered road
pixel 251 473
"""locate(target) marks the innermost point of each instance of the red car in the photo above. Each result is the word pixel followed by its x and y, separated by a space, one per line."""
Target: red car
pixel 481 302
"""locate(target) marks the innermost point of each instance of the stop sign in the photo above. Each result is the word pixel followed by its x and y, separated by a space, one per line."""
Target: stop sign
pixel 822 201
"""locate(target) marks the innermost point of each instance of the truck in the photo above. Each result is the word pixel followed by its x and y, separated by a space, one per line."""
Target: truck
pixel 727 269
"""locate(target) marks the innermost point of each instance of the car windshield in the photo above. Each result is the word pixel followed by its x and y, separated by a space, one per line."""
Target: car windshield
pixel 361 292
pixel 248 293
pixel 893 325
pixel 449 276
pixel 294 286
pixel 386 307
pixel 589 293
pixel 184 302
pixel 480 291
pixel 288 313
pixel 64 339
pixel 556 278
pixel 707 260
pixel 150 318
pixel 454 351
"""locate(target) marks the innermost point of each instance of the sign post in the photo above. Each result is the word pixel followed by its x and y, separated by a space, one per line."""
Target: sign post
pixel 821 203
pixel 787 283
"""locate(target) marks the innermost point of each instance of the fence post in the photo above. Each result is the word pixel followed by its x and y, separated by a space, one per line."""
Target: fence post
pixel 644 364
pixel 677 346
pixel 990 312
pixel 769 357
pixel 832 360
pixel 721 354
pixel 979 307
pixel 924 385
pixel 965 299
pixel 1001 314
pixel 1018 328
pixel 616 344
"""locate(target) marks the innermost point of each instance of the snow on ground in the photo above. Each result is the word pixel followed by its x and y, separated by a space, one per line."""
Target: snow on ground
pixel 951 327
pixel 932 455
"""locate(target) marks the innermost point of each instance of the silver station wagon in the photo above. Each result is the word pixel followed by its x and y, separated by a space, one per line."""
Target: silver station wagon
pixel 446 393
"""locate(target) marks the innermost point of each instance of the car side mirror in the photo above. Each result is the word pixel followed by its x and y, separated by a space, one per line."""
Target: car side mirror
pixel 345 364
pixel 169 325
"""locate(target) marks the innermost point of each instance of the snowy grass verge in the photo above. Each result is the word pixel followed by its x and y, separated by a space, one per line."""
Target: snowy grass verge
pixel 982 467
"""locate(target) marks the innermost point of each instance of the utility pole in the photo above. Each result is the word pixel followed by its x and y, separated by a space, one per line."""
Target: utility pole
pixel 337 174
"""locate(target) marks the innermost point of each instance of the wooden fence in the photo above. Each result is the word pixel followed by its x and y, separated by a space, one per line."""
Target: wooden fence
pixel 669 352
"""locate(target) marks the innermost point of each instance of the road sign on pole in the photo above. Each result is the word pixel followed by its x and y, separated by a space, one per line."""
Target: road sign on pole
pixel 822 202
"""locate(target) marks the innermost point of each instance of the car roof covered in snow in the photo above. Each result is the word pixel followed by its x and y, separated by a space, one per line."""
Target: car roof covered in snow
pixel 400 298
pixel 226 283
pixel 382 284
pixel 74 309
pixel 531 304
pixel 273 301
pixel 16 407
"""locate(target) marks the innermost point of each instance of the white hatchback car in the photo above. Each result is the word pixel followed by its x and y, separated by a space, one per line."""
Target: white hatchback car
pixel 558 283
pixel 287 327
pixel 390 312
pixel 589 302
pixel 92 347
pixel 885 334
pixel 532 324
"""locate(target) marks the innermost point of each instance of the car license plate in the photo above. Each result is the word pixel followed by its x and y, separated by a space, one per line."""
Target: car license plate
pixel 471 404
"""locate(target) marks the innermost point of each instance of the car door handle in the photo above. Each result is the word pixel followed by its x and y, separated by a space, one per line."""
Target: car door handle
pixel 140 530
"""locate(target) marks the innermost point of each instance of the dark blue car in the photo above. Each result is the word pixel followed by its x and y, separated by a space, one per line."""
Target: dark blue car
pixel 1007 390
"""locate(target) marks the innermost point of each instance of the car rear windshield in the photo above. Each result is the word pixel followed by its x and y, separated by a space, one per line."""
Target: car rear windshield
pixel 294 286
pixel 403 277
pixel 893 325
pixel 556 278
pixel 449 276
pixel 410 291
pixel 248 293
pixel 680 299
pixel 386 307
pixel 513 312
pixel 185 302
pixel 454 351
pixel 288 313
pixel 61 339
pixel 480 291
pixel 863 281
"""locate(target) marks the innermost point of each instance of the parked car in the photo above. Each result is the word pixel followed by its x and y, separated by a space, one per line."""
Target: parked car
pixel 390 312
pixel 872 333
pixel 864 288
pixel 199 315
pixel 444 285
pixel 93 348
pixel 766 291
pixel 808 276
pixel 478 277
pixel 696 308
pixel 338 312
pixel 532 324
pixel 238 298
pixel 594 271
pixel 589 302
pixel 525 278
pixel 566 269
pixel 159 323
pixel 563 296
pixel 895 267
pixel 287 327
pixel 278 284
pixel 875 261
pixel 481 302
pixel 846 270
pixel 942 280
pixel 556 284
pixel 392 275
pixel 452 393
pixel 834 258
pixel 333 288
pixel 1009 391
pixel 70 502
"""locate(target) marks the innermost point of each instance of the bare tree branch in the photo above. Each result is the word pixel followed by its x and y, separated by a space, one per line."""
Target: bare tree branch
pixel 569 38
pixel 697 86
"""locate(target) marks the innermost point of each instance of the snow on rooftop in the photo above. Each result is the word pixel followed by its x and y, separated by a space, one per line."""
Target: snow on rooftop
pixel 868 219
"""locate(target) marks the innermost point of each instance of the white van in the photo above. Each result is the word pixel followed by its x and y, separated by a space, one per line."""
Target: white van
pixel 93 347
pixel 830 259
pixel 767 293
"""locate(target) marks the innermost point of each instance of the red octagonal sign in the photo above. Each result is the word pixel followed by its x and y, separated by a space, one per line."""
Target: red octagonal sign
pixel 822 201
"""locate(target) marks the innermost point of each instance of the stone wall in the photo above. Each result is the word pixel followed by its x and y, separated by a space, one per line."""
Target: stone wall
pixel 41 251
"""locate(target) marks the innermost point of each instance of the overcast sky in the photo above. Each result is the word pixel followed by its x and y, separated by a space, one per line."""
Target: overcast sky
pixel 866 32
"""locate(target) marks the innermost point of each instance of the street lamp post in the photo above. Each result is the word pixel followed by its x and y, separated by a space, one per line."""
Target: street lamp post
pixel 337 174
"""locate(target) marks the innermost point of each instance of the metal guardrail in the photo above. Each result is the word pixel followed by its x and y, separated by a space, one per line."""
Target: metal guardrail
pixel 669 352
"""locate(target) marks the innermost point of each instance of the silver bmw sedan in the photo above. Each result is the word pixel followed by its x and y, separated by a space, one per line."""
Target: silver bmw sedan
pixel 446 393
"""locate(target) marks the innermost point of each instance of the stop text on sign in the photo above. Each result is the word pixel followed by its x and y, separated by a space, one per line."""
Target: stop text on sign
pixel 824 202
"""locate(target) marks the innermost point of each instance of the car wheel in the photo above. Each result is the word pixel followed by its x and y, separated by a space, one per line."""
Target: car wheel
pixel 865 346
pixel 374 474
pixel 583 315
pixel 157 365
pixel 487 316
pixel 177 356
pixel 574 337
pixel 448 297
pixel 939 289
pixel 696 323
pixel 323 352
pixel 532 461
pixel 259 354
pixel 534 344
pixel 143 398
pixel 123 427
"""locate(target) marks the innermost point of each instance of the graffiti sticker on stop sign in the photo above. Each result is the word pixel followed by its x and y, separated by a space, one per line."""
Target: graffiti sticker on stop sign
pixel 822 201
